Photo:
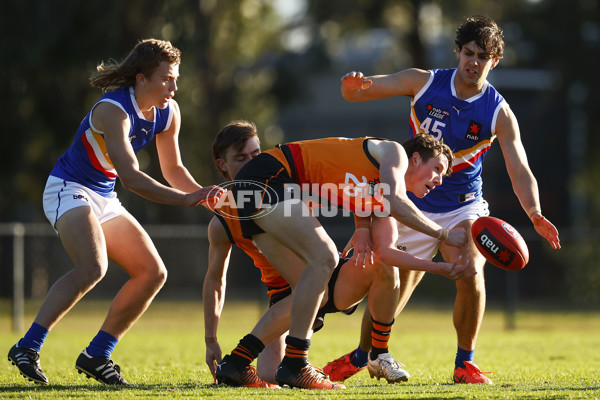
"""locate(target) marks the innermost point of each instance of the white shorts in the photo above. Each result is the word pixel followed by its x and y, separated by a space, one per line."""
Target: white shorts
pixel 423 246
pixel 61 196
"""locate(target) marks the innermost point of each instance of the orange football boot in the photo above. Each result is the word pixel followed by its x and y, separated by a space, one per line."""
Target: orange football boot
pixel 309 377
pixel 342 368
pixel 246 377
pixel 471 374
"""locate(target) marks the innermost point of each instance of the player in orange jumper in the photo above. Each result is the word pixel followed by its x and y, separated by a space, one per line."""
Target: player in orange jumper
pixel 234 146
pixel 280 225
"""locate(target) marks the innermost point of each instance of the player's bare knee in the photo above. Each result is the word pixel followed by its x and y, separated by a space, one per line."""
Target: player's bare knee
pixel 90 275
pixel 384 273
pixel 472 284
pixel 158 276
pixel 331 261
pixel 325 263
pixel 389 276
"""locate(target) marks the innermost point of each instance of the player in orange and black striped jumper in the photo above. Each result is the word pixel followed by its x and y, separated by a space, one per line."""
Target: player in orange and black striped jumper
pixel 291 229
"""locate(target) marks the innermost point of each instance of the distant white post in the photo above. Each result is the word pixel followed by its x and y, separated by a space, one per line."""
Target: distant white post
pixel 18 300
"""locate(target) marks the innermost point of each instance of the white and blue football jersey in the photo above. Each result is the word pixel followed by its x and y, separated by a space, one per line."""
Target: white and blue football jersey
pixel 466 126
pixel 87 161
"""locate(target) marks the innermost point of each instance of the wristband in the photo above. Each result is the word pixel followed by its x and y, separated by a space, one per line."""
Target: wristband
pixel 210 339
pixel 443 234
pixel 361 227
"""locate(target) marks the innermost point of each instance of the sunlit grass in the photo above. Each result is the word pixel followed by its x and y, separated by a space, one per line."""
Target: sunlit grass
pixel 550 355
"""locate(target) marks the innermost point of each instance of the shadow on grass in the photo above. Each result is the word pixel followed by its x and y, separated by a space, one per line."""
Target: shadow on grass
pixel 82 389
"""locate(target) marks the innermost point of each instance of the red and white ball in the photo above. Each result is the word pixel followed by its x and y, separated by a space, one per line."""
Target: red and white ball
pixel 500 243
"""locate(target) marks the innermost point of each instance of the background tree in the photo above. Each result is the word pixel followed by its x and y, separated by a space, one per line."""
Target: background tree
pixel 278 62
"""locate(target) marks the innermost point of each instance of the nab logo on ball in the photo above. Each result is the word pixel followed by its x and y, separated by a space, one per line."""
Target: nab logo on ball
pixel 494 248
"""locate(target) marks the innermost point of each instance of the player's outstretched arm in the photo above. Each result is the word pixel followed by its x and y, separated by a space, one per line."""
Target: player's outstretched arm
pixel 356 87
pixel 115 124
pixel 523 181
pixel 213 291
pixel 385 236
pixel 393 164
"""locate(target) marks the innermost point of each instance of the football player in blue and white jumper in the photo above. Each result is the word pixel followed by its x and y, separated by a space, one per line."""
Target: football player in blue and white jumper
pixel 81 204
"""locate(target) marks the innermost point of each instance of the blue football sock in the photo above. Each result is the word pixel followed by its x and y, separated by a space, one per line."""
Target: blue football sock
pixel 462 356
pixel 34 338
pixel 102 345
pixel 359 358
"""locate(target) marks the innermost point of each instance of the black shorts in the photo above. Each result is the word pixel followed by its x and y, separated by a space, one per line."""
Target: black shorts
pixel 278 294
pixel 330 307
pixel 258 186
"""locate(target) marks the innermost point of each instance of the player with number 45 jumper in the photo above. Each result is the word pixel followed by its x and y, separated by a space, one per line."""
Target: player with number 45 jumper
pixel 461 108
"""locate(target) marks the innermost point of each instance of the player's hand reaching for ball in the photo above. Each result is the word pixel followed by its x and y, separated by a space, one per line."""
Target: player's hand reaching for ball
pixel 207 194
pixel 546 229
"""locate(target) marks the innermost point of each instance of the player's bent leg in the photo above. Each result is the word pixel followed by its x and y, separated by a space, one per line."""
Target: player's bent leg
pixel 383 298
pixel 409 280
pixel 352 286
pixel 469 308
pixel 290 225
pixel 88 254
pixel 291 229
pixel 130 247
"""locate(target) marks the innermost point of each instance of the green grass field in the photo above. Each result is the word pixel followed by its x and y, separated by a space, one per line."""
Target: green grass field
pixel 551 355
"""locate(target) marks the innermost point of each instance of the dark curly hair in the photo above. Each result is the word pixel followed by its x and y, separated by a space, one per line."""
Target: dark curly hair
pixel 485 32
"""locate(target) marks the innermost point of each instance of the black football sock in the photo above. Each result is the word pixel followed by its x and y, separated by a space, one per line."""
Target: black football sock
pixel 246 351
pixel 296 353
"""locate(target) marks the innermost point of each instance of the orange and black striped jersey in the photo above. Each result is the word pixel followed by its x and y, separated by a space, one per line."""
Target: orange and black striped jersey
pixel 346 173
pixel 229 218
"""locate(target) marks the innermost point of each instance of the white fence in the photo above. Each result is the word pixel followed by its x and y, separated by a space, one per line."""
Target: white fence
pixel 21 232
pixel 38 259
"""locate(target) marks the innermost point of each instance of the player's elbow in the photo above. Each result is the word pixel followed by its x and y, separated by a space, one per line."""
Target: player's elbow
pixel 128 181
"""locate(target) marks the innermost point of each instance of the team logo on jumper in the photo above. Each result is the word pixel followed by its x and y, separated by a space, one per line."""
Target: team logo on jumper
pixel 437 113
pixel 473 131
pixel 492 246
